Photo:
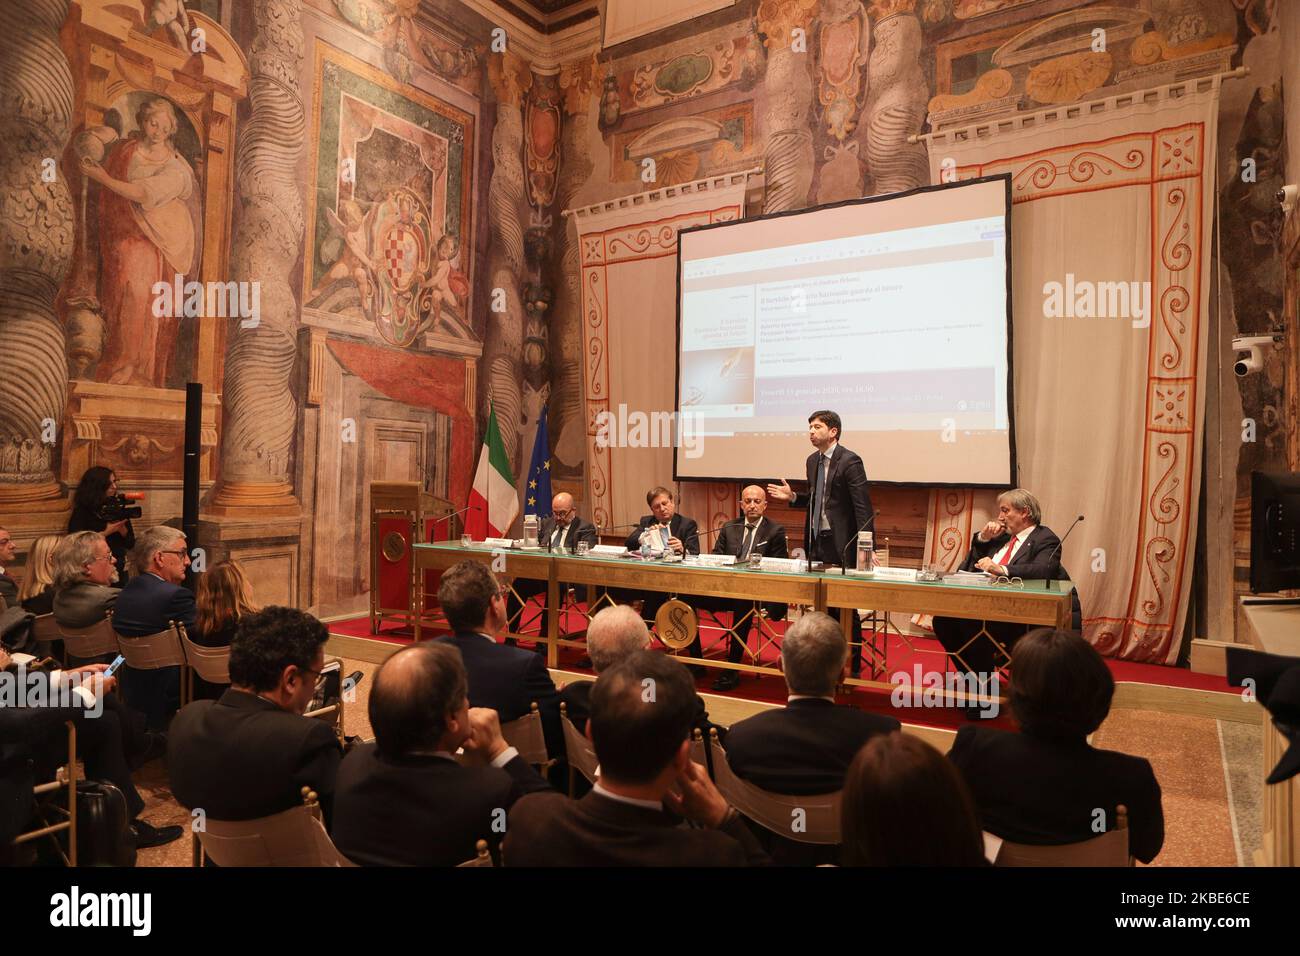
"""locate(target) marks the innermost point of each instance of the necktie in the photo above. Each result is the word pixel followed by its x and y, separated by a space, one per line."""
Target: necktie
pixel 557 537
pixel 749 540
pixel 820 522
pixel 1010 550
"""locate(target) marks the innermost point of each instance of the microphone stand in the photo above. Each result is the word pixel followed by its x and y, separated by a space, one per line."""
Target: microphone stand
pixel 1056 554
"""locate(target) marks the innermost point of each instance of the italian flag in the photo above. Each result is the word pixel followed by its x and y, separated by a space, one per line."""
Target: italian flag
pixel 493 502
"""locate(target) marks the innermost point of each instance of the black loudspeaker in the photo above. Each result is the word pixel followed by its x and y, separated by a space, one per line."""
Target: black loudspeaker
pixel 190 489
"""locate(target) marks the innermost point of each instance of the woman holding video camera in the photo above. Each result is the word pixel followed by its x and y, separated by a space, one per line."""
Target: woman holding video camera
pixel 92 507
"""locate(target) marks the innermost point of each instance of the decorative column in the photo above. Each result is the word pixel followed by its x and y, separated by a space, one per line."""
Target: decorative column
pixel 567 427
pixel 788 158
pixel 36 239
pixel 259 410
pixel 897 99
pixel 509 77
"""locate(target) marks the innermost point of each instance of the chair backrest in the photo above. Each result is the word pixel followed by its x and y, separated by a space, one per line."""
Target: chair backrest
pixel 93 641
pixel 45 628
pixel 1105 849
pixel 578 749
pixel 154 651
pixel 294 837
pixel 804 819
pixel 525 735
pixel 482 856
pixel 210 663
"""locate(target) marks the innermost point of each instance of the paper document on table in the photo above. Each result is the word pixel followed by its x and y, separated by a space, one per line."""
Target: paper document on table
pixel 610 550
pixel 966 577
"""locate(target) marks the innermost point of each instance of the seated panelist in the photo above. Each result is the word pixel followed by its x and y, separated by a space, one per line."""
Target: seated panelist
pixel 665 530
pixel 1014 544
pixel 559 532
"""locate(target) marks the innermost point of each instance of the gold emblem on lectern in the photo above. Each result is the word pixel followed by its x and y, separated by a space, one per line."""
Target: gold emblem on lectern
pixel 676 624
pixel 394 546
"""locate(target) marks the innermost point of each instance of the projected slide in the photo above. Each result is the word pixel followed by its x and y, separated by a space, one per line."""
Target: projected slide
pixel 892 312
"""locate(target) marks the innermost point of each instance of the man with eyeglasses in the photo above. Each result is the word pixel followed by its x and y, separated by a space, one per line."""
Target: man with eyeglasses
pixel 83 574
pixel 8 586
pixel 148 604
pixel 560 532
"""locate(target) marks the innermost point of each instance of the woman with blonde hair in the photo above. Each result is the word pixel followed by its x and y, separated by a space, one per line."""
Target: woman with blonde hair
pixel 222 597
pixel 37 592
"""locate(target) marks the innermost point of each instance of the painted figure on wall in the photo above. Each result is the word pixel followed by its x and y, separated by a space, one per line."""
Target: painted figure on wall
pixel 149 229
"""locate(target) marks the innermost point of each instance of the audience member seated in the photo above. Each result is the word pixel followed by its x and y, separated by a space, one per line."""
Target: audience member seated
pixel 96 486
pixel 83 573
pixel 33 743
pixel 8 585
pixel 614 634
pixel 250 753
pixel 505 679
pixel 1060 693
pixel 805 747
pixel 148 604
pixel 641 715
pixel 905 805
pixel 404 800
pixel 37 593
pixel 221 598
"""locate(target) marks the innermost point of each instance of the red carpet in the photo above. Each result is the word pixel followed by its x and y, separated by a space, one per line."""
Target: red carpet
pixel 903 655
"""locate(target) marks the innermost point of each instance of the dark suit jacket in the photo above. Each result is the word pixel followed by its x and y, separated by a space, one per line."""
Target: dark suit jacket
pixel 577 530
pixel 848 506
pixel 243 757
pixel 8 590
pixel 25 733
pixel 1028 789
pixel 683 528
pixel 576 697
pixel 422 810
pixel 42 603
pixel 148 602
pixel 769 539
pixel 509 679
pixel 803 748
pixel 547 829
pixel 1036 559
pixel 83 604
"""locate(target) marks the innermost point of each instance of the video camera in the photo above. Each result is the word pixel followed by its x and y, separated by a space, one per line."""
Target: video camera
pixel 116 507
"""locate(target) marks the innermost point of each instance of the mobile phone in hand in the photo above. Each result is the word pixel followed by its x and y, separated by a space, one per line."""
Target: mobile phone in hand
pixel 114 666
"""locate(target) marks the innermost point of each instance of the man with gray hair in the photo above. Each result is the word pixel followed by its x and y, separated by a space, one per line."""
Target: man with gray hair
pixel 614 634
pixel 83 573
pixel 148 604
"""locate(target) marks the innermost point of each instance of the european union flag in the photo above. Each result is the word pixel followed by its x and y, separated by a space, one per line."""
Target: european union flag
pixel 537 501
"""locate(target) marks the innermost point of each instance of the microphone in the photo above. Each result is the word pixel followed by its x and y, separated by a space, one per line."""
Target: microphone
pixel 452 515
pixel 1056 552
pixel 844 555
pixel 698 534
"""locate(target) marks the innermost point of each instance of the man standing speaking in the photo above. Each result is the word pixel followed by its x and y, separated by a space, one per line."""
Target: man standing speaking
pixel 837 500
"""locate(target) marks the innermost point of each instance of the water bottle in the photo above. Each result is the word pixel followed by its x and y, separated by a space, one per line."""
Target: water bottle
pixel 865 549
pixel 530 530
pixel 646 550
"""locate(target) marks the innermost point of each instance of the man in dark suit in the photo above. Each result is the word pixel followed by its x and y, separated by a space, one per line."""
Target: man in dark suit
pixel 559 532
pixel 837 500
pixel 250 753
pixel 83 573
pixel 1014 544
pixel 663 530
pixel 505 679
pixel 1046 785
pixel 8 586
pixel 404 800
pixel 641 712
pixel 742 537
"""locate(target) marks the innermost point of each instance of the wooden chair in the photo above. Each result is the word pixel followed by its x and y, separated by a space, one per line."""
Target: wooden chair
pixel 294 837
pixel 157 651
pixel 525 735
pixel 64 777
pixel 1105 849
pixel 212 664
pixel 578 750
pixel 817 815
pixel 88 642
pixel 333 712
pixel 482 856
pixel 45 631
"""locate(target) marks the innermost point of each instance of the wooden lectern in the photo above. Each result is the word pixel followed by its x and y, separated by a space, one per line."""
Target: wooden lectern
pixel 402 514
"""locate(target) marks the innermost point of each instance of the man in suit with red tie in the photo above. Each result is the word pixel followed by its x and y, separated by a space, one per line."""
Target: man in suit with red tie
pixel 1015 544
pixel 837 500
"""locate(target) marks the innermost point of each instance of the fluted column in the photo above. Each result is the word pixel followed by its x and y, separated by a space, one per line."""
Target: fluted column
pixel 897 101
pixel 259 409
pixel 509 77
pixel 788 156
pixel 36 232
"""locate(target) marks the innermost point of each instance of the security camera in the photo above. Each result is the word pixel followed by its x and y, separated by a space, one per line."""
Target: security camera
pixel 1253 360
pixel 1287 196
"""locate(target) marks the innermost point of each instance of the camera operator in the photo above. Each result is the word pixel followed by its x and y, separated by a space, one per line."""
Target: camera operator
pixel 98 486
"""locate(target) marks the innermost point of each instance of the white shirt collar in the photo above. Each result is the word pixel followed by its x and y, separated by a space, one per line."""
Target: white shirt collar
pixel 1025 533
pixel 793 697
pixel 619 798
pixel 830 450
pixel 487 637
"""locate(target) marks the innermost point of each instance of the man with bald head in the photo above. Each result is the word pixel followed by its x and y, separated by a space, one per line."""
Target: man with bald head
pixel 405 799
pixel 742 537
pixel 560 532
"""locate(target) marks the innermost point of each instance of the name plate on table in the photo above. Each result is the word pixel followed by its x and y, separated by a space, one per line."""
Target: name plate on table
pixel 712 560
pixel 892 574
pixel 609 550
pixel 783 564
pixel 498 542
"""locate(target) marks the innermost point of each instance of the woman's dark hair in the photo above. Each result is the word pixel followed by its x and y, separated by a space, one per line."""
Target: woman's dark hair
pixel 906 805
pixel 268 641
pixel 92 489
pixel 1060 686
